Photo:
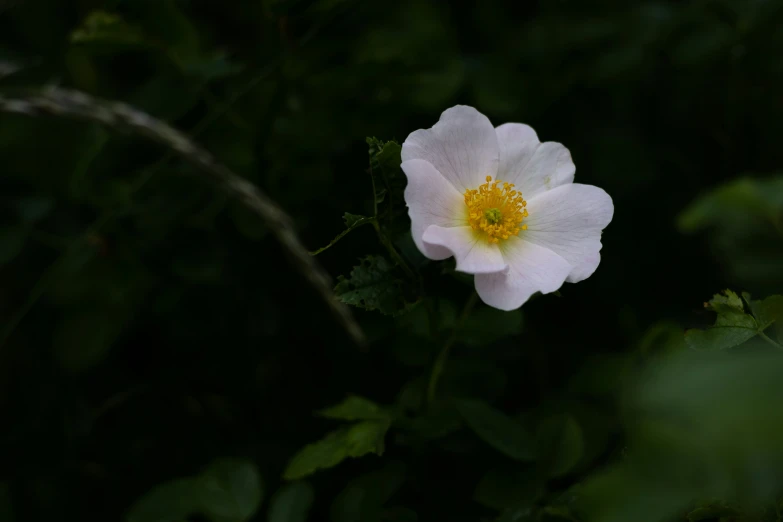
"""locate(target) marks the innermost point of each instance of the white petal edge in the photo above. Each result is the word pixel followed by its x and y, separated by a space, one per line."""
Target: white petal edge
pixel 473 253
pixel 431 200
pixel 531 268
pixel 568 220
pixel 462 146
pixel 533 167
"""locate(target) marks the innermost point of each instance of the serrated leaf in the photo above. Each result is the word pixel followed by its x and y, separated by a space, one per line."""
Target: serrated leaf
pixel 499 431
pixel 353 220
pixel 768 311
pixel 232 490
pixel 385 155
pixel 560 443
pixel 351 441
pixel 732 326
pixel 389 183
pixel 373 285
pixel 291 503
pixel 355 408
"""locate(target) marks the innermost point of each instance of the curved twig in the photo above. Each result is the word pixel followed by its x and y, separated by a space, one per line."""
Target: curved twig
pixel 55 101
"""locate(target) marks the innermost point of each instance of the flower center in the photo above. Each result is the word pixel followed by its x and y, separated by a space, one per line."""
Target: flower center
pixel 496 210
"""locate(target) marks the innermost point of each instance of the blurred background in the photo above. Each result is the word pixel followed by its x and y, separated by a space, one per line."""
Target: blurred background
pixel 149 324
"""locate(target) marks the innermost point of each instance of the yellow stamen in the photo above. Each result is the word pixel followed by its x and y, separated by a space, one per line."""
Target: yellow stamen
pixel 496 210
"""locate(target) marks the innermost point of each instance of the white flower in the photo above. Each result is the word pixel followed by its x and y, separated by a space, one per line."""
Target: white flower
pixel 466 184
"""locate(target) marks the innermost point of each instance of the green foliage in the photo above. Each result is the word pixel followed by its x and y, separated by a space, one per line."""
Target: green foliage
pixel 733 325
pixel 389 183
pixel 354 441
pixel 374 285
pixel 228 490
pixel 560 444
pixel 499 431
pixel 760 198
pixel 291 503
pixel 365 497
pixel 100 27
pixel 151 323
pixel 745 222
pixel 355 408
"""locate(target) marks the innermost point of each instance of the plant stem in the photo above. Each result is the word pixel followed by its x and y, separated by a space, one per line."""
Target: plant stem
pixel 770 340
pixel 386 242
pixel 118 116
pixel 443 356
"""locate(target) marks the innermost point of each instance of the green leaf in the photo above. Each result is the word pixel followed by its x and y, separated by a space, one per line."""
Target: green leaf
pixel 756 197
pixel 499 431
pixel 291 503
pixel 351 441
pixel 171 501
pixel 354 220
pixel 373 285
pixel 732 326
pixel 384 155
pixel 389 183
pixel 768 312
pixel 364 498
pixel 102 28
pixel 355 408
pixel 560 444
pixel 229 490
pixel 232 490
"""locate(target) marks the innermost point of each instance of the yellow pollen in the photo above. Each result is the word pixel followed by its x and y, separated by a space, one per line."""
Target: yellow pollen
pixel 496 210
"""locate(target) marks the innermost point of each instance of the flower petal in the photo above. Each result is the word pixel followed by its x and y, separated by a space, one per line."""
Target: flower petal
pixel 531 268
pixel 532 166
pixel 462 146
pixel 568 220
pixel 431 200
pixel 474 254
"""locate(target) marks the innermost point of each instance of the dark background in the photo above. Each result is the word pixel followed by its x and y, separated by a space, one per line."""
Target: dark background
pixel 150 323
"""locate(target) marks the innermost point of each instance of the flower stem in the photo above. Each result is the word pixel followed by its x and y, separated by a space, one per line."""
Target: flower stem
pixel 443 356
pixel 770 341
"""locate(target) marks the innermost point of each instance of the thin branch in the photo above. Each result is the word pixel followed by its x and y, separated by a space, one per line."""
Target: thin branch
pixel 54 101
